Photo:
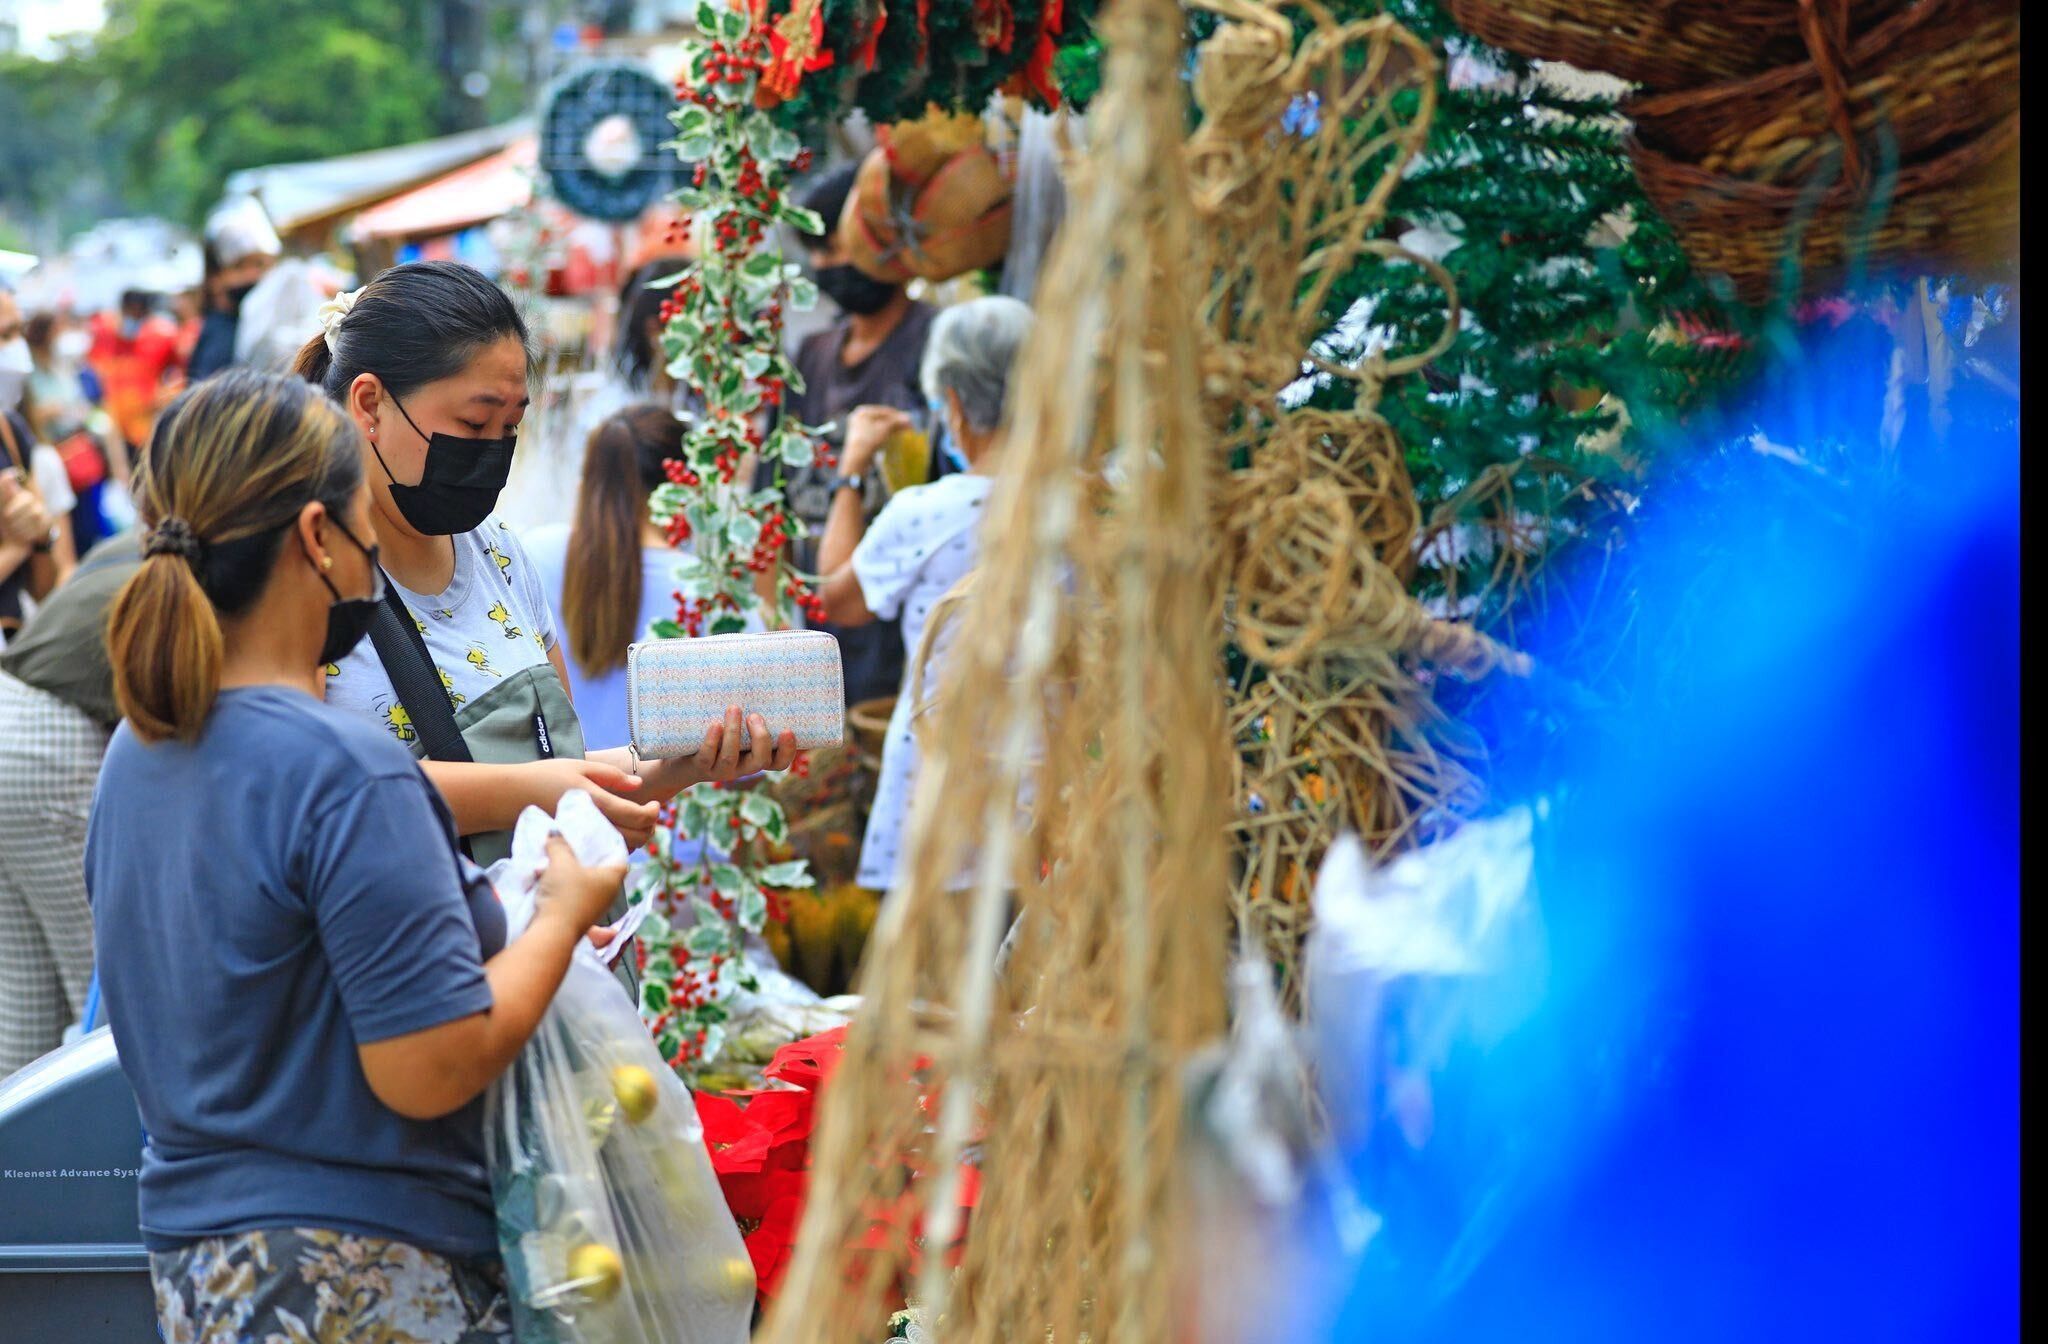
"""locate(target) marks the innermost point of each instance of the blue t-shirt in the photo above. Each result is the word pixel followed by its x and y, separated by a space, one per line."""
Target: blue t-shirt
pixel 263 900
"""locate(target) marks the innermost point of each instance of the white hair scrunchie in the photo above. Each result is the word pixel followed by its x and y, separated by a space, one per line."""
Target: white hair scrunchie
pixel 331 314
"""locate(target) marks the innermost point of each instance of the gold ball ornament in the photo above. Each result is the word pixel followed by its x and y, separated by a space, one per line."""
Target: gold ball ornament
pixel 596 1269
pixel 636 1091
pixel 728 1280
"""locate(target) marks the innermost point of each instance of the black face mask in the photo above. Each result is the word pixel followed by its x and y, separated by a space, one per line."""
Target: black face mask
pixel 348 619
pixel 854 290
pixel 236 295
pixel 459 485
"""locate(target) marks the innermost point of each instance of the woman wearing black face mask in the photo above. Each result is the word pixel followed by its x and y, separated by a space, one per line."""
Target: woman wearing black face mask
pixel 430 361
pixel 309 988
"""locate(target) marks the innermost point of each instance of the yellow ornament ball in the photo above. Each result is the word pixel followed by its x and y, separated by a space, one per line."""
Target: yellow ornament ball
pixel 739 1278
pixel 597 1270
pixel 636 1091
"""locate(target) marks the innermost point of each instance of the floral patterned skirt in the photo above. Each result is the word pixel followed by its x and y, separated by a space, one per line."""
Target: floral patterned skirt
pixel 303 1285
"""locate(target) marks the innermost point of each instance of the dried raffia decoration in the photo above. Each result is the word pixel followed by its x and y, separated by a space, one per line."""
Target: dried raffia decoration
pixel 1335 731
pixel 1076 763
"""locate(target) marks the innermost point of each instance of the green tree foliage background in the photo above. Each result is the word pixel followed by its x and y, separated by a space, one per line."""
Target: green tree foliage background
pixel 54 151
pixel 153 112
pixel 217 85
pixel 1571 288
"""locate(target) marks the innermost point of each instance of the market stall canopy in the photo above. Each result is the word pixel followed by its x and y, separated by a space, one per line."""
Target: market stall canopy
pixel 299 197
pixel 15 263
pixel 473 194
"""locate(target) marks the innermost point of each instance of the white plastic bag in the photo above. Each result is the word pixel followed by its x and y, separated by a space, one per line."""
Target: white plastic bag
pixel 780 1010
pixel 282 312
pixel 1432 947
pixel 611 1221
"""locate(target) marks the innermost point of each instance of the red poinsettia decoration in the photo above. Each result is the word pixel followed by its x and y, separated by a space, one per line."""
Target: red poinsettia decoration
pixel 767 1206
pixel 1036 76
pixel 760 1144
pixel 898 1225
pixel 760 1147
pixel 796 46
pixel 809 1062
pixel 754 1131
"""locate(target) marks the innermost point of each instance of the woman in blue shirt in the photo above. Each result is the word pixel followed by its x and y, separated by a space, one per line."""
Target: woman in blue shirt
pixel 309 988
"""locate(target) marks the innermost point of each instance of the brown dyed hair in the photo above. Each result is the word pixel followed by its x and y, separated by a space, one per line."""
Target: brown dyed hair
pixel 601 578
pixel 233 461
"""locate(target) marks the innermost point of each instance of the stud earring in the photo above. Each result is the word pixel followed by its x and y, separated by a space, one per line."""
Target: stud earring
pixel 327 562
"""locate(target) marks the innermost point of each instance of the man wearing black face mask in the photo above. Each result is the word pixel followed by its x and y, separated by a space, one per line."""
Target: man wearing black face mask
pixel 240 246
pixel 869 357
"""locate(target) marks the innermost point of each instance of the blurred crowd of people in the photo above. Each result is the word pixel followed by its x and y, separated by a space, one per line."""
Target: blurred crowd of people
pixel 80 392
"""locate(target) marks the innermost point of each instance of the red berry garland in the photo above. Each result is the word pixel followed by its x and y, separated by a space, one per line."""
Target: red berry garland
pixel 722 339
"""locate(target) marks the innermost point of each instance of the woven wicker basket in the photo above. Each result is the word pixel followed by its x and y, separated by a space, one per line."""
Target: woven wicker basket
pixel 1934 80
pixel 868 728
pixel 1751 172
pixel 1956 211
pixel 1660 44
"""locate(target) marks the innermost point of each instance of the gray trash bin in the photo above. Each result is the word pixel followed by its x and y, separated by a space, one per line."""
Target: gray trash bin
pixel 72 1267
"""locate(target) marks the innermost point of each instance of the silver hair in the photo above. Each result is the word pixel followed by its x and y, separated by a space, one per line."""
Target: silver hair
pixel 970 352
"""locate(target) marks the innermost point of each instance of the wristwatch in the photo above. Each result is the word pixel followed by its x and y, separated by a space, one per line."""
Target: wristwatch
pixel 857 483
pixel 47 544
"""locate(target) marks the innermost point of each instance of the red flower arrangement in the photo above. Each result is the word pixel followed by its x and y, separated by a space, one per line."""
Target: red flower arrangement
pixel 760 1142
pixel 761 1150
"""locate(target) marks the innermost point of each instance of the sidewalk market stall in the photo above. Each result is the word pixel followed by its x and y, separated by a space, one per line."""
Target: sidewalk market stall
pixel 311 202
pixel 451 216
pixel 1434 415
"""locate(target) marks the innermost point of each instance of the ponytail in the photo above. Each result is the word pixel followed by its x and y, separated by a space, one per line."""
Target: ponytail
pixel 232 463
pixel 313 361
pixel 165 643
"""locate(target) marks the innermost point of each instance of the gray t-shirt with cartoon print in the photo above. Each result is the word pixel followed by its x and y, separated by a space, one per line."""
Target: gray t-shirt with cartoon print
pixel 489 633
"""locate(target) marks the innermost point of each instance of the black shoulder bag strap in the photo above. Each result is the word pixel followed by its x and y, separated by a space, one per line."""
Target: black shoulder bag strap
pixel 416 684
pixel 414 680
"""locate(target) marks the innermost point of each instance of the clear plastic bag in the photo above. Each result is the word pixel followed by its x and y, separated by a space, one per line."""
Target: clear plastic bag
pixel 613 1226
pixel 1038 200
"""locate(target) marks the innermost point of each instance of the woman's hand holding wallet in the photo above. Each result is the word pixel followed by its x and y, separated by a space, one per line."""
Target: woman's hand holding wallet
pixel 720 758
pixel 632 802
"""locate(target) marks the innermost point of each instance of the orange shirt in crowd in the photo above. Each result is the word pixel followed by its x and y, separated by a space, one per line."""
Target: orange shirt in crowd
pixel 188 337
pixel 131 370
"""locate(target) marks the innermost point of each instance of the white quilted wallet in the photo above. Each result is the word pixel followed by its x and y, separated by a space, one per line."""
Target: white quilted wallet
pixel 677 688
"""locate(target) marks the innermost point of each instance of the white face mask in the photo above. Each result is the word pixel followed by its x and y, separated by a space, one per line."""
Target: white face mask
pixel 15 367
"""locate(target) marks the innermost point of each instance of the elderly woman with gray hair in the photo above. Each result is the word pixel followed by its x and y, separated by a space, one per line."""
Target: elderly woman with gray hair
pixel 926 538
